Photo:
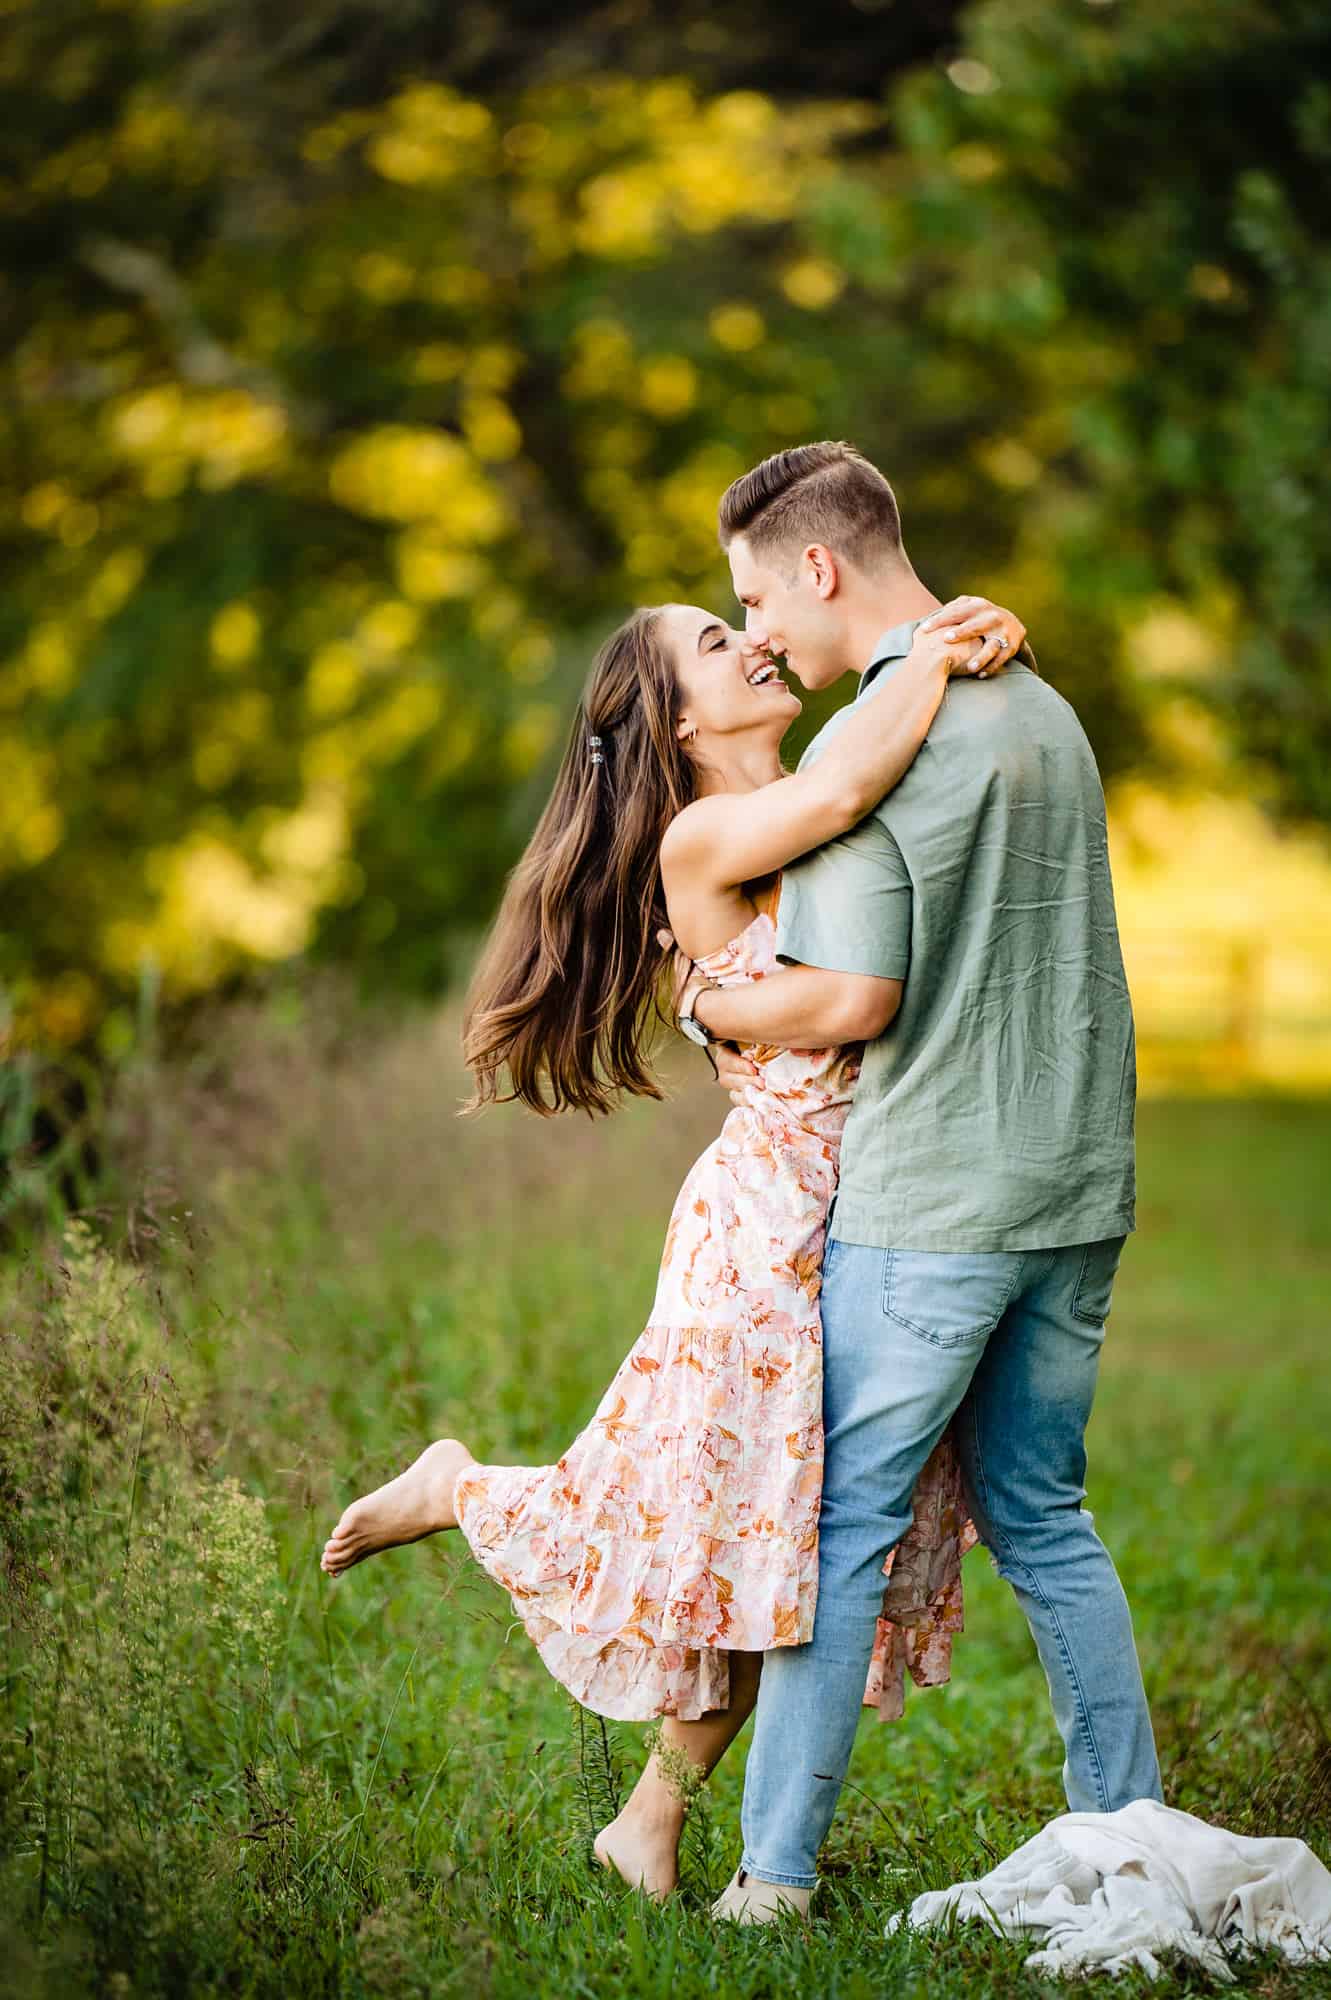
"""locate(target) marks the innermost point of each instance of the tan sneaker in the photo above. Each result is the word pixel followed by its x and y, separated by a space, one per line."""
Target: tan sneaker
pixel 746 1900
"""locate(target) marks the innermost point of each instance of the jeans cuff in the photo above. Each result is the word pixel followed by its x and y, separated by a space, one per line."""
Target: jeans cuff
pixel 775 1875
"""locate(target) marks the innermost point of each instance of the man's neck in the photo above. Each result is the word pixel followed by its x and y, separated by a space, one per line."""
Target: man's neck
pixel 898 597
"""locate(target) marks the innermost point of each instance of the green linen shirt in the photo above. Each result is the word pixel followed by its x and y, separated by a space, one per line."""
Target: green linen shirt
pixel 996 1112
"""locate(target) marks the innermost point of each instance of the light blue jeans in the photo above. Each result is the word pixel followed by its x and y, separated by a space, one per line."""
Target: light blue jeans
pixel 1010 1340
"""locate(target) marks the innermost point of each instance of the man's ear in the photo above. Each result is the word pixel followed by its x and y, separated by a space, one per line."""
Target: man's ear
pixel 821 566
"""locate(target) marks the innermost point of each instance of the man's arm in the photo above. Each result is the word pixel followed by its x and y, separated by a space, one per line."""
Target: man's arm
pixel 805 1008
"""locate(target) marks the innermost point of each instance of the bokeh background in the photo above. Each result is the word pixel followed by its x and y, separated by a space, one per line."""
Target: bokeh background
pixel 364 362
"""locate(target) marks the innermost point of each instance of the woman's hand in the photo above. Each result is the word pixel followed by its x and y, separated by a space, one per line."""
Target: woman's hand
pixel 996 633
pixel 941 649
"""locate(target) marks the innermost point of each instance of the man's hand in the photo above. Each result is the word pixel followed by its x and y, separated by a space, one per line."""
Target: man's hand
pixel 998 633
pixel 733 1069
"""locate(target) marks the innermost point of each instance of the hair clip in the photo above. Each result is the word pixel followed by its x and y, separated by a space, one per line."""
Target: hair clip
pixel 594 745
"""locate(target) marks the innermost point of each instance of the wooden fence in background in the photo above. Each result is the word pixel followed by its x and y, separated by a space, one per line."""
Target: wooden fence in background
pixel 1228 1010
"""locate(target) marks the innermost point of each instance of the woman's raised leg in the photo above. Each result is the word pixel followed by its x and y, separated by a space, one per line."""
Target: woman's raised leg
pixel 417 1503
pixel 642 1843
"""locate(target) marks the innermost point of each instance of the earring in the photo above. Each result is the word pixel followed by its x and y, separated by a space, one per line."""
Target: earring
pixel 692 733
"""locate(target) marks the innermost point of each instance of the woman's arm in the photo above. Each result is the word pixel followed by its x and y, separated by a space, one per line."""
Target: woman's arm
pixel 734 837
pixel 801 1007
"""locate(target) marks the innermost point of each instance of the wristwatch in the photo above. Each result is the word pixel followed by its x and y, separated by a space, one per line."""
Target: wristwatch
pixel 687 1022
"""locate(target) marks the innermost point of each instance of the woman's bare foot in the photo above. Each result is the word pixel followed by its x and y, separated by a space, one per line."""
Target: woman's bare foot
pixel 417 1503
pixel 645 1852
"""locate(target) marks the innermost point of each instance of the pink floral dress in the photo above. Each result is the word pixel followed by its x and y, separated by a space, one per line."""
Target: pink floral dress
pixel 682 1523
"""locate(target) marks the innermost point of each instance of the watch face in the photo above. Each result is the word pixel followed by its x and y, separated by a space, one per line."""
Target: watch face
pixel 694 1030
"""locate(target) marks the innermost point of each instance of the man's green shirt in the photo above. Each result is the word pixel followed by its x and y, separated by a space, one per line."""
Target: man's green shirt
pixel 996 1112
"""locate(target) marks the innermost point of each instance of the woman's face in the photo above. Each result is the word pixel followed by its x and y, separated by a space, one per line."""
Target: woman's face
pixel 730 687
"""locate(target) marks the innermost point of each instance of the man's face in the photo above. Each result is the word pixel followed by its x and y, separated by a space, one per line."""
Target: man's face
pixel 797 614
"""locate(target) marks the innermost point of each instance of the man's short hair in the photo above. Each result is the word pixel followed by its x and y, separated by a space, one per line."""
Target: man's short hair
pixel 825 493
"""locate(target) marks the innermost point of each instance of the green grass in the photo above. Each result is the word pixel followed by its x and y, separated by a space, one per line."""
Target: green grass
pixel 222 1774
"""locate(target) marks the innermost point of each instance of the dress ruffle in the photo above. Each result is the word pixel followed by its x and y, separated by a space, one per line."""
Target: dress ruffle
pixel 682 1523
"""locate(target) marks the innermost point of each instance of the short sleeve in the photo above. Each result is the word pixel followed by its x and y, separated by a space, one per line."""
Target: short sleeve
pixel 847 906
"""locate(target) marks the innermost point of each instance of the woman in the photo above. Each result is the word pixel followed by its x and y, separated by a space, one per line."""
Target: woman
pixel 676 1539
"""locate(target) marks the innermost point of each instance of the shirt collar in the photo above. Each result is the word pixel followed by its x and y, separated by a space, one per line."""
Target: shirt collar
pixel 889 647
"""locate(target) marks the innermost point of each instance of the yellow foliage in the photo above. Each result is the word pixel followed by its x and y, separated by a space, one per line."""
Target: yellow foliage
pixel 311 840
pixel 744 116
pixel 668 386
pixel 49 659
pixel 439 361
pixel 429 570
pixel 64 1009
pixel 31 823
pixel 531 656
pixel 388 627
pixel 215 763
pixel 491 428
pixel 226 434
pixel 498 612
pixel 430 137
pixel 213 913
pixel 738 327
pixel 688 497
pixel 214 910
pixel 457 285
pixel 1010 462
pixel 156 132
pixel 398 473
pixel 1172 640
pixel 115 582
pixel 435 111
pixel 234 635
pixel 334 679
pixel 603 360
pixel 44 504
pixel 407 714
pixel 79 523
pixel 412 159
pixel 492 366
pixel 813 283
pixel 649 554
pixel 973 161
pixel 383 278
pixel 623 213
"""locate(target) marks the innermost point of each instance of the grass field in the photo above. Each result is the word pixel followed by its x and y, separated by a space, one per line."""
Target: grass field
pixel 222 1774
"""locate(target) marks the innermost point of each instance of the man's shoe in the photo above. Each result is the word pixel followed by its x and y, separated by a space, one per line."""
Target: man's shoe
pixel 746 1900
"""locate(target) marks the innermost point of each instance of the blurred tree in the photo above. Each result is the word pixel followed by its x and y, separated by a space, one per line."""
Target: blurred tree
pixel 1130 206
pixel 347 406
pixel 337 54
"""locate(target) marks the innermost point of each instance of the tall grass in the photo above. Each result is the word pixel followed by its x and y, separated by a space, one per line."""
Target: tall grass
pixel 221 1773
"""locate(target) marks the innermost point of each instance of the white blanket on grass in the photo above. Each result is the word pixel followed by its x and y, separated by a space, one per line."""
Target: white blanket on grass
pixel 1111 1890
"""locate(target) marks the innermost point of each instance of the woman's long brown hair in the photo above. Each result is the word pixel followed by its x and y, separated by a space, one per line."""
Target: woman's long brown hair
pixel 566 992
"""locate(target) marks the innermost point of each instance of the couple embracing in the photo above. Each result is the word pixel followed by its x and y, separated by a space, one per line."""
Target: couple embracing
pixel 883 1295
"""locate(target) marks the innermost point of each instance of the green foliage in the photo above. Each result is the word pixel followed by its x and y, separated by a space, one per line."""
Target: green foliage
pixel 1128 206
pixel 358 383
pixel 221 1774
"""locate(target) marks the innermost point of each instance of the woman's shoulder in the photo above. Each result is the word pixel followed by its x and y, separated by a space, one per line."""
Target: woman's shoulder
pixel 691 831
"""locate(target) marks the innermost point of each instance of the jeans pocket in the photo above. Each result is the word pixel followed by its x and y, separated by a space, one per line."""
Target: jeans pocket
pixel 949 1298
pixel 1095 1280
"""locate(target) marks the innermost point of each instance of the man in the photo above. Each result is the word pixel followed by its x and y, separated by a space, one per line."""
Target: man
pixel 987 1178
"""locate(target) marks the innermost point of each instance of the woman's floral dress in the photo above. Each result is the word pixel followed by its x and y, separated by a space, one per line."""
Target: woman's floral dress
pixel 682 1523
